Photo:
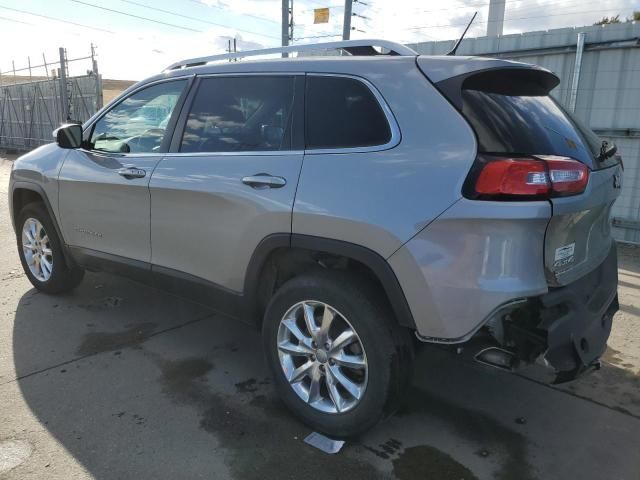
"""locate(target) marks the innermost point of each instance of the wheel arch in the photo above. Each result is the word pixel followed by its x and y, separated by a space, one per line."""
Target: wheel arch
pixel 297 250
pixel 23 193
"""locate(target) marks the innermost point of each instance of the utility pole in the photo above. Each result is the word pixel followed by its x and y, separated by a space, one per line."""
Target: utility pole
pixel 285 25
pixel 64 94
pixel 346 26
pixel 98 77
pixel 496 18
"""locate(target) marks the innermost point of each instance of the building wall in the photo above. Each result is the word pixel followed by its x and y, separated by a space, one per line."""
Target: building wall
pixel 608 95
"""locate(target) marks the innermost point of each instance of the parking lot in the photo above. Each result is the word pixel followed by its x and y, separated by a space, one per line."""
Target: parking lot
pixel 118 380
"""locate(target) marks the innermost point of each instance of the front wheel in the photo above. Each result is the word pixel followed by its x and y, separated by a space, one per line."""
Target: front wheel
pixel 339 360
pixel 41 254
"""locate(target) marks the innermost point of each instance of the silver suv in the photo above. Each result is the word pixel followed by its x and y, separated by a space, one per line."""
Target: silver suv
pixel 347 206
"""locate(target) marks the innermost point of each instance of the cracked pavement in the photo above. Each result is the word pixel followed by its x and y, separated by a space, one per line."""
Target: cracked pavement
pixel 118 380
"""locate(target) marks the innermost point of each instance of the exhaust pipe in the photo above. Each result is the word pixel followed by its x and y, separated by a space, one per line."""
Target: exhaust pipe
pixel 497 358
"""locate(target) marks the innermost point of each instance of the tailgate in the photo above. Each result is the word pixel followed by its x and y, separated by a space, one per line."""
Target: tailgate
pixel 516 120
pixel 578 237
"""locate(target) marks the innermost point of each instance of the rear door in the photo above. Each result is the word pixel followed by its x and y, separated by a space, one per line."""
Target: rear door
pixel 513 114
pixel 230 177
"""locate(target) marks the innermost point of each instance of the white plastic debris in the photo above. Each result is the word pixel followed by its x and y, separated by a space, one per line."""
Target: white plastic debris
pixel 326 444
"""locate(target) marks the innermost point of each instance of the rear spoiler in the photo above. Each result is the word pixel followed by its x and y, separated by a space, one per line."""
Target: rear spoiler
pixel 492 75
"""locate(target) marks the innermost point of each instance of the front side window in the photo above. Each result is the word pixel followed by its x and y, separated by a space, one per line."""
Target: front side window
pixel 240 114
pixel 342 112
pixel 138 123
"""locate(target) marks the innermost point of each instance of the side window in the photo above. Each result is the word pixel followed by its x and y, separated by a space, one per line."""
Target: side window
pixel 238 114
pixel 138 123
pixel 341 113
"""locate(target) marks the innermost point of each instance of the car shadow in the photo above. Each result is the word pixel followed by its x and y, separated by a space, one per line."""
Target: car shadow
pixel 135 383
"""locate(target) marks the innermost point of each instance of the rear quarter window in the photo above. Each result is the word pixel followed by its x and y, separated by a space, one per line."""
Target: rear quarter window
pixel 342 112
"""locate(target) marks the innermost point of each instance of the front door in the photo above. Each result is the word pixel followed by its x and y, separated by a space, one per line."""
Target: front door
pixel 104 187
pixel 230 177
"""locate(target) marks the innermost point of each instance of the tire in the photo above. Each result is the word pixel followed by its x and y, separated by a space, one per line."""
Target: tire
pixel 61 277
pixel 387 351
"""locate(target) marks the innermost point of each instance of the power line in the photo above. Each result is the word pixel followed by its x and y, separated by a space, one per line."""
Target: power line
pixel 318 36
pixel 137 16
pixel 16 21
pixel 323 5
pixel 530 7
pixel 191 18
pixel 419 10
pixel 578 3
pixel 512 19
pixel 242 14
pixel 56 19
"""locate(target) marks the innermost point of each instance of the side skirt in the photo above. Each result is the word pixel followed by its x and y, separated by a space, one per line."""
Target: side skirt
pixel 198 290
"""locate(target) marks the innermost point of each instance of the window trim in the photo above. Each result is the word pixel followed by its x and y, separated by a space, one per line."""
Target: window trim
pixel 391 120
pixel 298 110
pixel 166 141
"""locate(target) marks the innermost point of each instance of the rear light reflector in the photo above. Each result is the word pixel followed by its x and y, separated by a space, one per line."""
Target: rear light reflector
pixel 568 177
pixel 536 177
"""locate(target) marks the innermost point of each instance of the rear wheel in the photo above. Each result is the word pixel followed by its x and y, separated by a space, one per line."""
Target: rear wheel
pixel 41 253
pixel 339 360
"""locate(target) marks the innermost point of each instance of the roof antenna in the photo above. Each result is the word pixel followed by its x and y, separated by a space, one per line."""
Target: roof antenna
pixel 455 47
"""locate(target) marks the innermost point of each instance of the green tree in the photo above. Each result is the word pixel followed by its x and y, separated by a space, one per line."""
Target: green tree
pixel 635 17
pixel 608 20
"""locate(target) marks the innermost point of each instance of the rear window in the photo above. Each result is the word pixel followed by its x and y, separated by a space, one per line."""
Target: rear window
pixel 342 112
pixel 509 119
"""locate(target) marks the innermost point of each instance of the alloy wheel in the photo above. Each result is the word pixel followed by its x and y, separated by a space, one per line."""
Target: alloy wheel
pixel 322 357
pixel 36 247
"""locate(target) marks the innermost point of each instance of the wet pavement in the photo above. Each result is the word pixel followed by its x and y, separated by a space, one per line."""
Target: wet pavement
pixel 117 380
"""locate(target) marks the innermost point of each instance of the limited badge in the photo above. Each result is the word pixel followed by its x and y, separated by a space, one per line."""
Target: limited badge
pixel 564 255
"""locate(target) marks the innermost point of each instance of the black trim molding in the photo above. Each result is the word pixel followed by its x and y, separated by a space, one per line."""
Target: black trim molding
pixel 378 265
pixel 34 187
pixel 246 305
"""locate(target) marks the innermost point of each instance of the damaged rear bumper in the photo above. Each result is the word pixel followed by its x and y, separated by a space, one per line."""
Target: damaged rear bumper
pixel 565 329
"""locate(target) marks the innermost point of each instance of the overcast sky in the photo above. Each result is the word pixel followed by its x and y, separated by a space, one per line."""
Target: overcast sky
pixel 137 38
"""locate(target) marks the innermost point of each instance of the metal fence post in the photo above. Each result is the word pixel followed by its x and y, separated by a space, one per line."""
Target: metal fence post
pixel 94 66
pixel 29 111
pixel 64 100
pixel 573 93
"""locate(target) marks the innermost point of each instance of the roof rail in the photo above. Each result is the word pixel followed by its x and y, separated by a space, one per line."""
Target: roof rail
pixel 354 47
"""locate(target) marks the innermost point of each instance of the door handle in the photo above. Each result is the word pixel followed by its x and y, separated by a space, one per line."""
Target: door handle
pixel 264 180
pixel 131 172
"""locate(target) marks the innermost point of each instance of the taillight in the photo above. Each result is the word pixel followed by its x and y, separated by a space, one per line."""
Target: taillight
pixel 521 178
pixel 568 177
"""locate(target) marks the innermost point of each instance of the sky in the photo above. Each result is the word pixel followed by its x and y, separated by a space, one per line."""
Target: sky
pixel 138 38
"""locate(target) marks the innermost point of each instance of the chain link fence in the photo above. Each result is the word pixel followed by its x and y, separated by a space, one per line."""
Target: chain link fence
pixel 31 108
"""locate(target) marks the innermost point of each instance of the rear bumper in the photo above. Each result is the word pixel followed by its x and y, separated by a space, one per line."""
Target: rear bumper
pixel 578 337
pixel 565 329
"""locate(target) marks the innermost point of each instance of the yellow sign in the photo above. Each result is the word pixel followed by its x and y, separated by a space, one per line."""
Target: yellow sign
pixel 320 15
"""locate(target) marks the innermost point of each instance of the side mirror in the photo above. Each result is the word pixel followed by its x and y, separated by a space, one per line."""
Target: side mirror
pixel 69 135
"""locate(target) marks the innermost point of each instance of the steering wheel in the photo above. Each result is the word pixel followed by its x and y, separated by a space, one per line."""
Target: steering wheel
pixel 148 141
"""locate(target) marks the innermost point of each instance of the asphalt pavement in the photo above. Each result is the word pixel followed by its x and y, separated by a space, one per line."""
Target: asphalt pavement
pixel 117 380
